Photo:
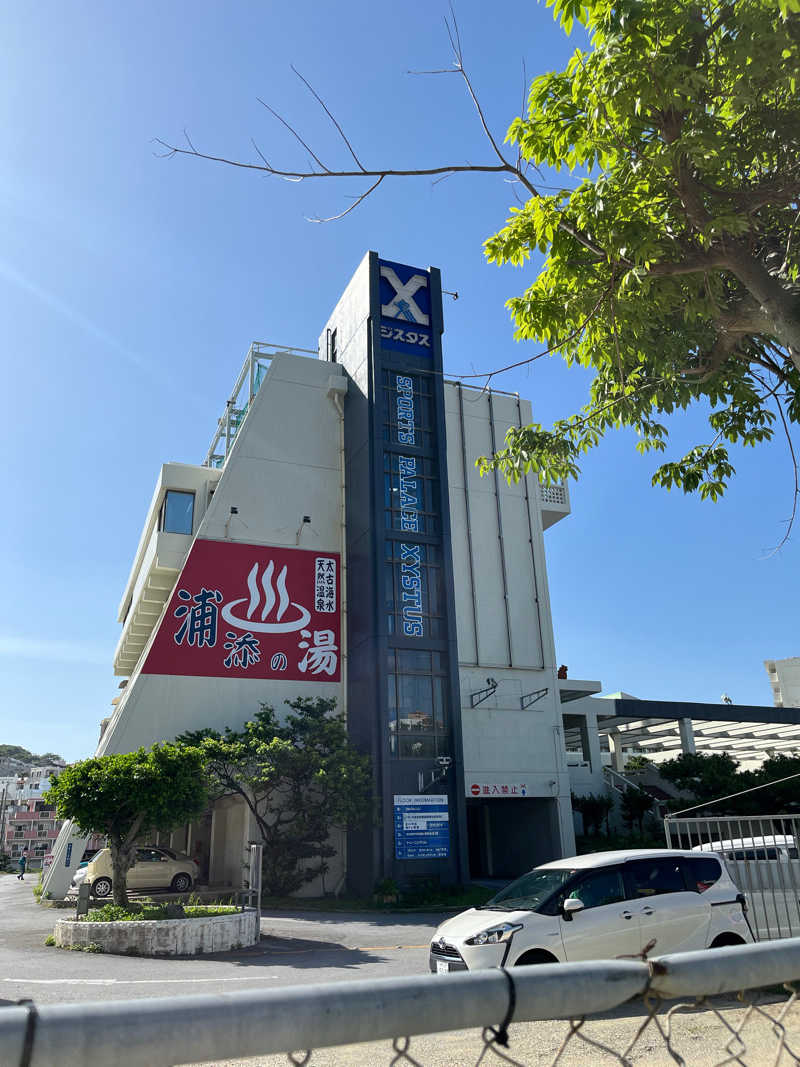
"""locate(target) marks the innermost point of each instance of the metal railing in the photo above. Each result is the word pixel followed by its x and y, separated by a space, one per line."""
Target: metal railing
pixel 192 1029
pixel 619 782
pixel 761 854
pixel 247 385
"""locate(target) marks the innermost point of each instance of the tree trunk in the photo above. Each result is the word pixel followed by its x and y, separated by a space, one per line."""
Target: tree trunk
pixel 778 303
pixel 120 865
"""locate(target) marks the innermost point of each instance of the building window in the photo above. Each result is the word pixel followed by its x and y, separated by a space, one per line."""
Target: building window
pixel 333 349
pixel 408 410
pixel 177 512
pixel 417 704
pixel 414 590
pixel 411 493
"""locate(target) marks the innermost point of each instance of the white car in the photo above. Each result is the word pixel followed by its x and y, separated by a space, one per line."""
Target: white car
pixel 601 906
pixel 782 847
pixel 153 868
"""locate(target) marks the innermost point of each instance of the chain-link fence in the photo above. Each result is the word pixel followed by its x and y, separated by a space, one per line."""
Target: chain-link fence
pixel 671 1010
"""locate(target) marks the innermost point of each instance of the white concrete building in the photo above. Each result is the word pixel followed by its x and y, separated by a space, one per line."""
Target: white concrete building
pixel 338 541
pixel 784 678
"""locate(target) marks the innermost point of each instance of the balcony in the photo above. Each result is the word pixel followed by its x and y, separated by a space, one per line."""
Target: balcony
pixel 161 564
pixel 554 504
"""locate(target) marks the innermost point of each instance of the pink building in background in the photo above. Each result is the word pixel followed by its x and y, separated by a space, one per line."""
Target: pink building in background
pixel 31 825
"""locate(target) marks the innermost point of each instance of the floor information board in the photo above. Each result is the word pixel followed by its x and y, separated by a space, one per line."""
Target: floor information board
pixel 421 827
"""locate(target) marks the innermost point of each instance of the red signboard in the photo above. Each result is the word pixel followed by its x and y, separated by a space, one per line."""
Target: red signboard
pixel 249 611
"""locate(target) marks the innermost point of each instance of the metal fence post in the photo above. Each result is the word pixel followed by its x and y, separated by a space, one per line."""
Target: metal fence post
pixel 255 879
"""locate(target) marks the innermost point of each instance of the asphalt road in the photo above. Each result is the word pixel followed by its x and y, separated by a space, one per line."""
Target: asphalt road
pixel 295 949
pixel 305 948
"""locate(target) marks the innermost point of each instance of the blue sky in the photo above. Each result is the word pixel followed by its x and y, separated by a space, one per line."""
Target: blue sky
pixel 131 287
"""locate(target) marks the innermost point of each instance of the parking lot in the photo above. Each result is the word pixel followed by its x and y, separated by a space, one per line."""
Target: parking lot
pixel 295 949
pixel 308 948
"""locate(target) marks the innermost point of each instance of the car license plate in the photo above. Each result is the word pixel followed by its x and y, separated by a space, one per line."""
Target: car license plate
pixel 442 967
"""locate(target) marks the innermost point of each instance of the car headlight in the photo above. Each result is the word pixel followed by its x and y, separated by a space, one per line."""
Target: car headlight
pixel 494 935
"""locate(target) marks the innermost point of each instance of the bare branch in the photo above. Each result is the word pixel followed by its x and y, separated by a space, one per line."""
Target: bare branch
pixel 554 347
pixel 470 90
pixel 260 153
pixel 353 206
pixel 297 175
pixel 324 106
pixel 444 70
pixel 517 170
pixel 293 132
pixel 790 444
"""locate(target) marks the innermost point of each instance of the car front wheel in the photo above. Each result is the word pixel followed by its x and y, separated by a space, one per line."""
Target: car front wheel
pixel 181 883
pixel 101 887
pixel 535 956
pixel 722 940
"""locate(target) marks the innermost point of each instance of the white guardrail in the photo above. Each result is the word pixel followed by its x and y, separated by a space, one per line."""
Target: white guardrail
pixel 192 1029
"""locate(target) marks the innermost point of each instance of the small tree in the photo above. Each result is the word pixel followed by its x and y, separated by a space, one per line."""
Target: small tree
pixel 300 780
pixel 594 808
pixel 125 796
pixel 637 764
pixel 635 804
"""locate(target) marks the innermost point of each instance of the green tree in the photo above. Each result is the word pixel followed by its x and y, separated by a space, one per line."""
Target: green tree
pixel 778 798
pixel 634 805
pixel 593 808
pixel 716 776
pixel 126 796
pixel 706 776
pixel 637 764
pixel 16 752
pixel 671 247
pixel 672 267
pixel 300 780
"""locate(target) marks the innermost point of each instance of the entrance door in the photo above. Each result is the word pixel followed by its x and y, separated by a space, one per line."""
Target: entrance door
pixel 606 927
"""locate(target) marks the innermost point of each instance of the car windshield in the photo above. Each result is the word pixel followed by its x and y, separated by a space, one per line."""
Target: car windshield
pixel 530 891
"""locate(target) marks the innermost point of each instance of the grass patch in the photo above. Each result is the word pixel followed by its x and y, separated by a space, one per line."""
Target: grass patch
pixel 50 940
pixel 149 912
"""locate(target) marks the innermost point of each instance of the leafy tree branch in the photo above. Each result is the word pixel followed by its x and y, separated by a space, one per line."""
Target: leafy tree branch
pixel 671 268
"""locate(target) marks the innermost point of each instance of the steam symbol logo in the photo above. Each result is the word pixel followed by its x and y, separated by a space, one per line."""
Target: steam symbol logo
pixel 279 662
pixel 279 626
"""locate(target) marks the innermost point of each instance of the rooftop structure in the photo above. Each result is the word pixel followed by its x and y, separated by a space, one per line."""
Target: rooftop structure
pixel 784 678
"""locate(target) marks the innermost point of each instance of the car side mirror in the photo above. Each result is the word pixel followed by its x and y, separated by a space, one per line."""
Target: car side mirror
pixel 570 906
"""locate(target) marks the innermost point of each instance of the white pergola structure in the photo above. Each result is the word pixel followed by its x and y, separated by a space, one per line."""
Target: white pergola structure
pixel 745 731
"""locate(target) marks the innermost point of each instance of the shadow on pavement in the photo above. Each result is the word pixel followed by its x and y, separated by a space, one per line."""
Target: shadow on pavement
pixel 367 918
pixel 296 953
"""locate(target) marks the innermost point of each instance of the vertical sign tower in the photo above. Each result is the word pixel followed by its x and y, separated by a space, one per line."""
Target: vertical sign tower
pixel 403 696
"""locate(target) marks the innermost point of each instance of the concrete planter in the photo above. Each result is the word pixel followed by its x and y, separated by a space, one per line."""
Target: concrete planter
pixel 165 937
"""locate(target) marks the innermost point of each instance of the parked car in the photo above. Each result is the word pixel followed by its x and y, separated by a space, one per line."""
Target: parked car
pixel 154 868
pixel 600 906
pixel 781 847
